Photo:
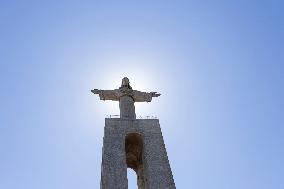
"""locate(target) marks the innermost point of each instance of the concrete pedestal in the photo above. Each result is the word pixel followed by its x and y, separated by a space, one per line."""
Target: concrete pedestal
pixel 138 144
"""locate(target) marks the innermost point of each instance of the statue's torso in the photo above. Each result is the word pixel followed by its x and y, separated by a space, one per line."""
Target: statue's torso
pixel 127 108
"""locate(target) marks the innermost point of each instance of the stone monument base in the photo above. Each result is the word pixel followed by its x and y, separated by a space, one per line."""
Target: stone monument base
pixel 136 144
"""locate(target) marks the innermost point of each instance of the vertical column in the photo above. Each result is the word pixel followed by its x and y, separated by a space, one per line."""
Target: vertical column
pixel 140 177
pixel 114 170
pixel 156 164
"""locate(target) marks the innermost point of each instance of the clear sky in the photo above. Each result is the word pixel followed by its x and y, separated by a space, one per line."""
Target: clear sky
pixel 218 64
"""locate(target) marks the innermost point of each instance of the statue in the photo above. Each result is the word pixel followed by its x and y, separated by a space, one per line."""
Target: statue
pixel 126 97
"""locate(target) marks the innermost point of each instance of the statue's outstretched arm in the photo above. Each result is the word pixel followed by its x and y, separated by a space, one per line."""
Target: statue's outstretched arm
pixel 106 94
pixel 155 94
pixel 144 96
pixel 96 91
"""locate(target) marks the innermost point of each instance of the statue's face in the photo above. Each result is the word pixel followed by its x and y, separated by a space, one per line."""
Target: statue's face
pixel 125 81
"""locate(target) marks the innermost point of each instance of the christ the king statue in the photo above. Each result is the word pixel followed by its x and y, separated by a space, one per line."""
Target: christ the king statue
pixel 126 97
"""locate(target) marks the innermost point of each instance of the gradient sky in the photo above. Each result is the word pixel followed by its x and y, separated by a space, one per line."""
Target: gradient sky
pixel 218 64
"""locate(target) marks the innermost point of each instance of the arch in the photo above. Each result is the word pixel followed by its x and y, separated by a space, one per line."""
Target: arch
pixel 131 178
pixel 134 156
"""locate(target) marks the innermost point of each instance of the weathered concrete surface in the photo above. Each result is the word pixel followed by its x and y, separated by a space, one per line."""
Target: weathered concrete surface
pixel 123 148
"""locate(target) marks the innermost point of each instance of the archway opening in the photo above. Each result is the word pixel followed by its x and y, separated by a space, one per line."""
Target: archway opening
pixel 134 154
pixel 132 179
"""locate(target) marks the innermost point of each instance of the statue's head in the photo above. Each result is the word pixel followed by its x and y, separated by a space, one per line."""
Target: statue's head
pixel 125 82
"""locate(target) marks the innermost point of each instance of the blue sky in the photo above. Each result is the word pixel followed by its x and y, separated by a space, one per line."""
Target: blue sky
pixel 218 64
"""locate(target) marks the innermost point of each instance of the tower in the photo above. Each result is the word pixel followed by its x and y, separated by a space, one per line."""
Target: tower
pixel 133 143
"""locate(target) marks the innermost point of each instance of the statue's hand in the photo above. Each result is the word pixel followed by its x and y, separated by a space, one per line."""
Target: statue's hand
pixel 155 94
pixel 95 91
